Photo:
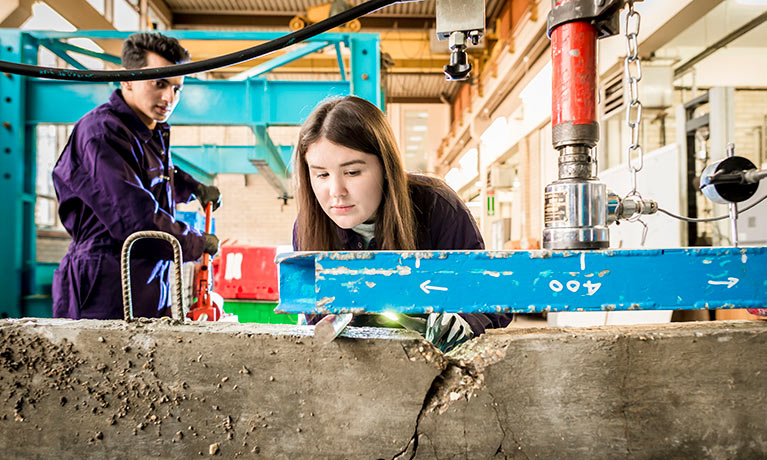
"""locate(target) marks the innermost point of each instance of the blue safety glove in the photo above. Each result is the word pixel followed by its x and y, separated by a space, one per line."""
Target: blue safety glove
pixel 447 330
pixel 208 194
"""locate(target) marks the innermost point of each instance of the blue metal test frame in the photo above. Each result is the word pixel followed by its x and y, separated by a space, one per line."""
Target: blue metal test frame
pixel 253 101
pixel 522 281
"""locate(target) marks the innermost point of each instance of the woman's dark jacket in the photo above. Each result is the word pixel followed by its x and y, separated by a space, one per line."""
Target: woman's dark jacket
pixel 444 223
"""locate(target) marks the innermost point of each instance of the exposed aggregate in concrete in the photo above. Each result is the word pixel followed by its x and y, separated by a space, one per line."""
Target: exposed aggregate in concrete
pixel 170 390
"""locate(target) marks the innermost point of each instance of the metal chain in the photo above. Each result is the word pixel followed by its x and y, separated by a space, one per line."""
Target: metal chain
pixel 634 107
pixel 634 110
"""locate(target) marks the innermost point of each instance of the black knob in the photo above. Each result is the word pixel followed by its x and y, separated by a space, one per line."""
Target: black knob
pixel 459 66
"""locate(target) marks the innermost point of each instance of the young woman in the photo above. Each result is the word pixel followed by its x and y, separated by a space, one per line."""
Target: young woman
pixel 353 193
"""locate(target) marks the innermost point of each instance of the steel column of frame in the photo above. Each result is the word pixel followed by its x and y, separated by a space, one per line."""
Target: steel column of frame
pixel 17 179
pixel 522 281
pixel 366 68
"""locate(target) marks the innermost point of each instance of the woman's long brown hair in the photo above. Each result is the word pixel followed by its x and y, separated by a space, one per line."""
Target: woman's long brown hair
pixel 356 124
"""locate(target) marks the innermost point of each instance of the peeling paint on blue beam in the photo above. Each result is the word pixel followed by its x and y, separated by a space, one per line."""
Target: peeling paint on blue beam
pixel 523 281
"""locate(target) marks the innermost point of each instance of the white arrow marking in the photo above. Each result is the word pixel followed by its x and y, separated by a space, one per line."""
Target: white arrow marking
pixel 730 282
pixel 425 287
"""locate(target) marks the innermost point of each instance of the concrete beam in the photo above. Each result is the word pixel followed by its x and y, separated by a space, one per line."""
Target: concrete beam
pixel 107 389
pixel 110 390
pixel 13 13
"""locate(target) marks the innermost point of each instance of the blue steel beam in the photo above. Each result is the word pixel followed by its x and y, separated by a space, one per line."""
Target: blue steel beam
pixel 281 60
pixel 249 102
pixel 67 58
pixel 52 45
pixel 523 281
pixel 267 151
pixel 192 168
pixel 209 160
pixel 340 59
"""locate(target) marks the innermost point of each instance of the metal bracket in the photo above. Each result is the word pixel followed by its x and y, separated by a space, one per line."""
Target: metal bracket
pixel 603 14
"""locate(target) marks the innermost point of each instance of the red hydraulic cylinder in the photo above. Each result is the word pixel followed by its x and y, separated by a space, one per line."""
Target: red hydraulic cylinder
pixel 574 97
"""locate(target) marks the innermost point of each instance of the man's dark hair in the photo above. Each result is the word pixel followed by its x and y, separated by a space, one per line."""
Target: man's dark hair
pixel 137 45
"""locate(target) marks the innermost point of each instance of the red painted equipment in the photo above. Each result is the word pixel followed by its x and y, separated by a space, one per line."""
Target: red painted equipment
pixel 575 205
pixel 574 95
pixel 247 273
pixel 204 309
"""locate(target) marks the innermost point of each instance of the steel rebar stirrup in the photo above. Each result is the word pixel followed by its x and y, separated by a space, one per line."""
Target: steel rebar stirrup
pixel 177 305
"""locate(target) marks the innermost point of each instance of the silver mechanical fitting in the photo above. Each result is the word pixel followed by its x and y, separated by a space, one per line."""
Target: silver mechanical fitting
pixel 460 22
pixel 578 208
pixel 575 205
pixel 629 208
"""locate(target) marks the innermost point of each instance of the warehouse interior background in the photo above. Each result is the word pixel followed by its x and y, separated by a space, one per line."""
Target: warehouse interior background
pixel 489 137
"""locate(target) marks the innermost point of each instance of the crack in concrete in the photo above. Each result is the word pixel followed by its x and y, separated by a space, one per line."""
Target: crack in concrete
pixel 494 405
pixel 440 392
pixel 460 379
pixel 414 438
pixel 413 442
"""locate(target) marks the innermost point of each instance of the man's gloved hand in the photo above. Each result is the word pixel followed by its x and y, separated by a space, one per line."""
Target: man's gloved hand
pixel 447 330
pixel 211 244
pixel 208 194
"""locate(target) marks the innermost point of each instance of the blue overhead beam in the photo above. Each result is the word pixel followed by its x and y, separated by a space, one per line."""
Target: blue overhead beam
pixel 52 44
pixel 340 59
pixel 192 167
pixel 522 281
pixel 219 102
pixel 266 150
pixel 67 58
pixel 210 160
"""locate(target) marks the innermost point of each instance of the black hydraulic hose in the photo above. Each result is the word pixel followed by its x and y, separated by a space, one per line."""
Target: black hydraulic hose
pixel 237 57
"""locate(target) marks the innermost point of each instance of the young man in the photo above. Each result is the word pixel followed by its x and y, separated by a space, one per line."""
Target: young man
pixel 115 177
